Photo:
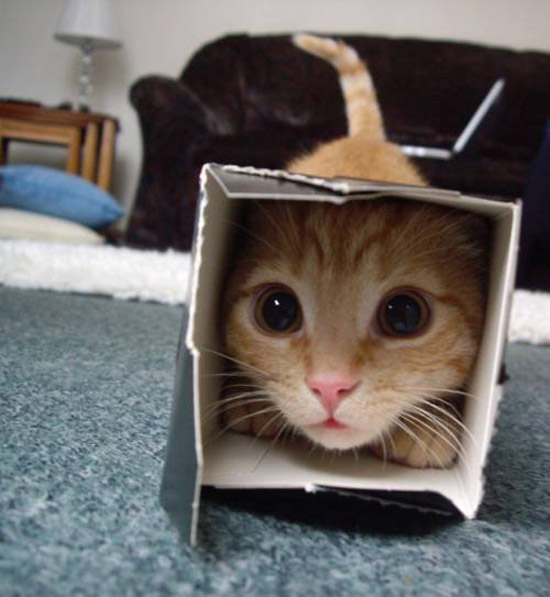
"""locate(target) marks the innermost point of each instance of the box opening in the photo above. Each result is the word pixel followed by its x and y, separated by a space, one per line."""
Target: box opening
pixel 232 460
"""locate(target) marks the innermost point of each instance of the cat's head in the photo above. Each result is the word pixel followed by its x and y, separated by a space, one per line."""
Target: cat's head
pixel 347 315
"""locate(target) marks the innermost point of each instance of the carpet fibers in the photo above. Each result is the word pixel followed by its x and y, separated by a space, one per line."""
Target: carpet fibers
pixel 85 392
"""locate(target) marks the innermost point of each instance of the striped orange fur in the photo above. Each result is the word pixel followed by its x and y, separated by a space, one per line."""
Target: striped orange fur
pixel 340 264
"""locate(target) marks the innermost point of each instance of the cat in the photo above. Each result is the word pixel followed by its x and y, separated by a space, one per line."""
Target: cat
pixel 355 326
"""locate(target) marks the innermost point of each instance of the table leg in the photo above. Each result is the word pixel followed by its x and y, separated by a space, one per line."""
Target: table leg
pixel 3 144
pixel 73 161
pixel 90 152
pixel 106 155
pixel 3 150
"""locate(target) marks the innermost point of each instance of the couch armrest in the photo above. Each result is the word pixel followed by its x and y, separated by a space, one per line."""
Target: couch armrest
pixel 174 125
pixel 169 110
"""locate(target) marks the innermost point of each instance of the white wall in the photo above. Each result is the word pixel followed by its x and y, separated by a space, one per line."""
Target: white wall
pixel 160 35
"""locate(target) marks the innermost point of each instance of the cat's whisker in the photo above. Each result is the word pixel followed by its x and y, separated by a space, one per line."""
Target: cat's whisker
pixel 227 385
pixel 227 388
pixel 228 407
pixel 426 449
pixel 401 424
pixel 461 457
pixel 288 432
pixel 437 432
pixel 235 396
pixel 408 407
pixel 422 424
pixel 442 390
pixel 430 401
pixel 384 450
pixel 452 440
pixel 217 409
pixel 387 433
pixel 236 422
pixel 312 447
pixel 279 415
pixel 270 446
pixel 423 445
pixel 269 422
pixel 270 408
pixel 242 397
pixel 384 434
pixel 223 355
pixel 450 417
pixel 293 432
pixel 225 374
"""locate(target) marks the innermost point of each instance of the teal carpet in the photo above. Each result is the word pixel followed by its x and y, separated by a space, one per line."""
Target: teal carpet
pixel 85 392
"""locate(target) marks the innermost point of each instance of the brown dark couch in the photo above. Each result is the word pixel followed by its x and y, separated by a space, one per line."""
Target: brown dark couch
pixel 257 100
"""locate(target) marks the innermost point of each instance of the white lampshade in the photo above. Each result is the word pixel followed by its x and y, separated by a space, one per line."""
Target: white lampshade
pixel 89 22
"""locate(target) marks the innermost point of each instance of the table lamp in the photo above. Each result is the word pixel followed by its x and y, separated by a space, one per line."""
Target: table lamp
pixel 91 25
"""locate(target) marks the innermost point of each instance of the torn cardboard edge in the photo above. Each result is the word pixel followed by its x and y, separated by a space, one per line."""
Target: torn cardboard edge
pixel 235 461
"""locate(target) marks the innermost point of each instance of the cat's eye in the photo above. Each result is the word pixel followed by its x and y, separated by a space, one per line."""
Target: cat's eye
pixel 403 312
pixel 277 310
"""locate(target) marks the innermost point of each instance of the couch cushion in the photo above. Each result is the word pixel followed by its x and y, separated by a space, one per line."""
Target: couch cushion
pixel 19 224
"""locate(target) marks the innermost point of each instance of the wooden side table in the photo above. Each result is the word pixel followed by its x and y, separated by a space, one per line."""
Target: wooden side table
pixel 90 138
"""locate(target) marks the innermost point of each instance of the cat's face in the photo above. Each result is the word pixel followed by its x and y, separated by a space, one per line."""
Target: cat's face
pixel 353 313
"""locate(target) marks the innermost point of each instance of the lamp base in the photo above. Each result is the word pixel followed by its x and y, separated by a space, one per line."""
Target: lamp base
pixel 82 103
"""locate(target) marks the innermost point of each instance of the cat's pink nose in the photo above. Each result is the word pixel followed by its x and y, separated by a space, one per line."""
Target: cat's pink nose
pixel 331 389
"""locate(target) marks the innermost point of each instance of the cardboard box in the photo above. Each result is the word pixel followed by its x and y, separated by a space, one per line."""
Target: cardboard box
pixel 237 461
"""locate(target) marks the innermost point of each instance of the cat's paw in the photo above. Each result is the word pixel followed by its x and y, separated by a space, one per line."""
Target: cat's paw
pixel 421 447
pixel 251 418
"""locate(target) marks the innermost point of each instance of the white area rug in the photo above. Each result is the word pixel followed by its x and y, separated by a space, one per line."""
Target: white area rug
pixel 162 277
pixel 96 269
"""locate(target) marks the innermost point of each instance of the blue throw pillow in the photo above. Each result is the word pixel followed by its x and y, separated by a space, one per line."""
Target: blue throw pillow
pixel 58 194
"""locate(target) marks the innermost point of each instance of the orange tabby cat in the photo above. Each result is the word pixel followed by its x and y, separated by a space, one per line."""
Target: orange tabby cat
pixel 355 325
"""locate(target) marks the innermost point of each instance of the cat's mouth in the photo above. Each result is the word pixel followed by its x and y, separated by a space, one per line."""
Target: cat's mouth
pixel 332 423
pixel 335 435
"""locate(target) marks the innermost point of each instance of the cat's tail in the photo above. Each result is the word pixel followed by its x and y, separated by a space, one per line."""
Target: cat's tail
pixel 362 109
